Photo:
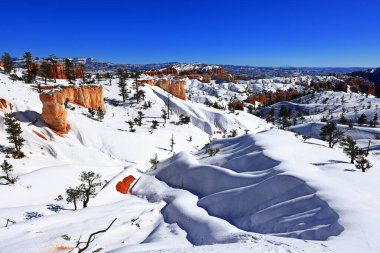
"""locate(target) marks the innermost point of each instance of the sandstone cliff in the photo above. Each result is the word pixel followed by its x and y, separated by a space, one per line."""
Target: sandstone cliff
pixel 174 87
pixel 58 72
pixel 54 112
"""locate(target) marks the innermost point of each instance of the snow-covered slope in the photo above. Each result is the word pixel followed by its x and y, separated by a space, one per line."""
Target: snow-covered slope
pixel 256 193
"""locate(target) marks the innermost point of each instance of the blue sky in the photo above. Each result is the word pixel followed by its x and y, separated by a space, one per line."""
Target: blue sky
pixel 260 33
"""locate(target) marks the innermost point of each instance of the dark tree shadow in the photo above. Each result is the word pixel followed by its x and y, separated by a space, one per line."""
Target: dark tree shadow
pixel 55 208
pixel 33 215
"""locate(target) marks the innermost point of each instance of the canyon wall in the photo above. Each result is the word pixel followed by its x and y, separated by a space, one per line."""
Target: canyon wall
pixel 54 112
pixel 174 87
pixel 58 71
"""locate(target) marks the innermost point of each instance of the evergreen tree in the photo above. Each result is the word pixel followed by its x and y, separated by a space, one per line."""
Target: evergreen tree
pixel 362 119
pixel 183 119
pixel 233 133
pixel 164 115
pixel 28 60
pixel 91 112
pixel 123 87
pixel 53 62
pixel 31 69
pixel 270 116
pixel 362 163
pixel 73 195
pixel 45 70
pixel 8 63
pixel 140 117
pixel 100 113
pixel 83 67
pixel 154 124
pixel 331 134
pixel 7 170
pixel 351 149
pixel 374 120
pixel 69 70
pixel 14 131
pixel 154 161
pixel 90 181
pixel 343 120
pixel 131 124
pixel 172 143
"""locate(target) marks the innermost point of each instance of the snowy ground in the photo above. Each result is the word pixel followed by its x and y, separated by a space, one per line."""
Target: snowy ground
pixel 264 192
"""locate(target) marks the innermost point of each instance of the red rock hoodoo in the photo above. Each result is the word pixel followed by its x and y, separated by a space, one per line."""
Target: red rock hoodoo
pixel 54 112
pixel 123 186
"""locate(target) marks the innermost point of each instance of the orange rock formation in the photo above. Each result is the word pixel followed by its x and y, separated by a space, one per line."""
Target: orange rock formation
pixel 58 71
pixel 123 186
pixel 54 112
pixel 174 87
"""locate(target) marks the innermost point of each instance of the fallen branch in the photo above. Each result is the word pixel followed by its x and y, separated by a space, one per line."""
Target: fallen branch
pixel 91 238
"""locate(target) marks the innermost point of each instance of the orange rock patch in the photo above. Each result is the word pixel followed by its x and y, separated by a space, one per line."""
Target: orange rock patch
pixel 123 186
pixel 40 135
pixel 60 248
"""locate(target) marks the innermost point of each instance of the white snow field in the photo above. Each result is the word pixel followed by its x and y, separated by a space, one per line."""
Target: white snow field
pixel 266 191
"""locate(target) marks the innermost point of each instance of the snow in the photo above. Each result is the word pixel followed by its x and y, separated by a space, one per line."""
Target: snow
pixel 266 191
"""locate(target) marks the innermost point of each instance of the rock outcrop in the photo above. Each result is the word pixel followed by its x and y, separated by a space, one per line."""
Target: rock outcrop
pixel 124 186
pixel 1 64
pixel 174 87
pixel 58 72
pixel 54 112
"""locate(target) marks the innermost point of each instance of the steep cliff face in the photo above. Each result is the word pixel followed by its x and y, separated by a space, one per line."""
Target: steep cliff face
pixel 58 72
pixel 174 87
pixel 54 112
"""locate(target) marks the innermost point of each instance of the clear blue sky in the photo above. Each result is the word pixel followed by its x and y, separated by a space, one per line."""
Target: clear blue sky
pixel 260 33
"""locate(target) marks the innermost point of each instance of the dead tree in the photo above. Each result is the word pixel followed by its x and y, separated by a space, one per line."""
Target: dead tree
pixel 90 239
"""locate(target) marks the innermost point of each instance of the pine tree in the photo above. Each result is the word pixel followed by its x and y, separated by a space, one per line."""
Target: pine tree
pixel 73 195
pixel 91 112
pixel 233 133
pixel 131 124
pixel 8 63
pixel 331 134
pixel 270 116
pixel 362 163
pixel 53 62
pixel 351 149
pixel 69 70
pixel 374 120
pixel 123 87
pixel 164 115
pixel 90 181
pixel 100 113
pixel 14 131
pixel 45 70
pixel 28 59
pixel 140 118
pixel 154 161
pixel 7 170
pixel 343 120
pixel 154 124
pixel 362 119
pixel 31 69
pixel 83 67
pixel 172 143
